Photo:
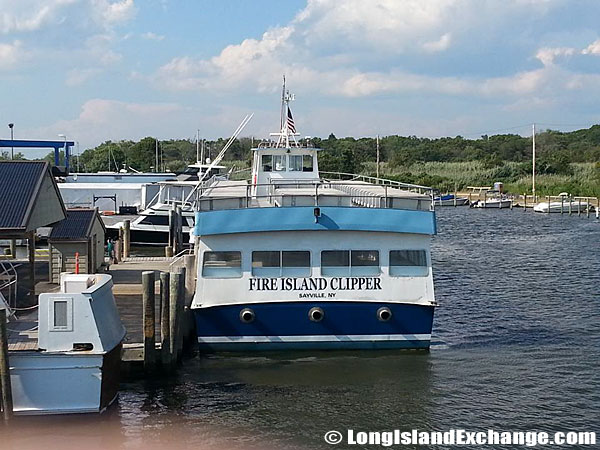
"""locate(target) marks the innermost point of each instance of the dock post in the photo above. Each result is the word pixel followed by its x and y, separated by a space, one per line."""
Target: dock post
pixel 190 277
pixel 570 206
pixel 174 318
pixel 148 300
pixel 165 323
pixel 579 206
pixel 172 228
pixel 122 239
pixel 5 387
pixel 31 252
pixel 181 306
pixel 548 204
pixel 562 204
pixel 13 248
pixel 179 231
pixel 126 237
pixel 525 202
pixel 587 208
pixel 117 251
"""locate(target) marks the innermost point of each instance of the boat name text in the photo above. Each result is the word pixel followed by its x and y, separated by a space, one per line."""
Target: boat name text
pixel 316 284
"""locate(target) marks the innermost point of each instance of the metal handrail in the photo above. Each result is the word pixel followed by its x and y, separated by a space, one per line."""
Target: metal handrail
pixel 10 269
pixel 355 192
pixel 179 256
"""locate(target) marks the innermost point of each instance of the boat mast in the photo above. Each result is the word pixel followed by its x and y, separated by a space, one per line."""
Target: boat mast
pixel 533 171
pixel 377 156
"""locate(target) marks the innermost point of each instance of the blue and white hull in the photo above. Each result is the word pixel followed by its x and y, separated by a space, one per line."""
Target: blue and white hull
pixel 287 326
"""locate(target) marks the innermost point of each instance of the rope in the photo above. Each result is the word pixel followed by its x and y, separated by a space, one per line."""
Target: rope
pixel 25 309
pixel 21 331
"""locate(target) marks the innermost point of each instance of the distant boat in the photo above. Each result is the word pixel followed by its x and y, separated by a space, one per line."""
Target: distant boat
pixel 498 203
pixel 449 200
pixel 565 204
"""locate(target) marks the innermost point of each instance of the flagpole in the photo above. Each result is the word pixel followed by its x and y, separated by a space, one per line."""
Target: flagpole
pixel 377 156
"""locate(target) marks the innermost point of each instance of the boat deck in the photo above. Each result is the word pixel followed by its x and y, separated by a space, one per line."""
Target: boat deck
pixel 284 193
pixel 23 333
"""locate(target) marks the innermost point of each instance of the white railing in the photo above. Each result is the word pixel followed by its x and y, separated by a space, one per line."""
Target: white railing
pixel 366 195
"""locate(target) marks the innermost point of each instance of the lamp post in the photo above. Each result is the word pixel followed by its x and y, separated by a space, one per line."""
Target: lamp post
pixel 12 148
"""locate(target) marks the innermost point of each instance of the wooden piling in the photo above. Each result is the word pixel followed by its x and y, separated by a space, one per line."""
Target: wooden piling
pixel 570 206
pixel 587 208
pixel 31 252
pixel 148 301
pixel 122 240
pixel 126 237
pixel 5 387
pixel 190 277
pixel 525 202
pixel 172 228
pixel 579 206
pixel 174 318
pixel 13 248
pixel 181 304
pixel 117 251
pixel 165 323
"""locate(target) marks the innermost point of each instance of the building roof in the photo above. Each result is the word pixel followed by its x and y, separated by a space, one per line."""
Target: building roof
pixel 21 184
pixel 77 226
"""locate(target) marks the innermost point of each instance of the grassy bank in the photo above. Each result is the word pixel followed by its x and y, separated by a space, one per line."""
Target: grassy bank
pixel 583 179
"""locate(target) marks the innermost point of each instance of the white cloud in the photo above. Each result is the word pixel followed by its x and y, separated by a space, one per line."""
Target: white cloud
pixel 114 12
pixel 592 49
pixel 11 55
pixel 437 46
pixel 152 36
pixel 547 55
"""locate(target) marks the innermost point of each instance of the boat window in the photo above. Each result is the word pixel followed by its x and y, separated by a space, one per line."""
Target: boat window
pixel 335 263
pixel 273 264
pixel 295 163
pixel 267 163
pixel 222 265
pixel 279 163
pixel 155 220
pixel 295 264
pixel 364 262
pixel 307 163
pixel 408 263
pixel 60 314
pixel 266 264
pixel 61 318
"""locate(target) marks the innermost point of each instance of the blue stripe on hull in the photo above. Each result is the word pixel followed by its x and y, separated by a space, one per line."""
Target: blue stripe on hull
pixel 346 325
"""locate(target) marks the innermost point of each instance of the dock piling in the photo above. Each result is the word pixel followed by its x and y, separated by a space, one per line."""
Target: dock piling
pixel 5 387
pixel 175 291
pixel 165 323
pixel 148 300
pixel 181 317
pixel 126 237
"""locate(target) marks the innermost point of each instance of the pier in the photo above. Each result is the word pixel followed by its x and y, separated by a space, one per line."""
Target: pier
pixel 153 295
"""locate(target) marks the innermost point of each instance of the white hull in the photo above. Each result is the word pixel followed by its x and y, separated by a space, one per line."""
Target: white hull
pixel 565 207
pixel 451 202
pixel 493 203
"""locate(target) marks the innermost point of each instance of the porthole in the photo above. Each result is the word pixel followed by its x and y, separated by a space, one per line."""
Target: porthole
pixel 384 314
pixel 316 314
pixel 247 315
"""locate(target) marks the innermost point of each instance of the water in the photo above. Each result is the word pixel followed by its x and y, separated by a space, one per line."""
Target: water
pixel 516 346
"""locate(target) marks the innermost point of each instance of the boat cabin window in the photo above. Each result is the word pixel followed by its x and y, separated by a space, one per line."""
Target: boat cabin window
pixel 408 263
pixel 295 163
pixel 273 264
pixel 222 265
pixel 350 262
pixel 307 163
pixel 267 163
pixel 279 163
pixel 61 314
pixel 155 220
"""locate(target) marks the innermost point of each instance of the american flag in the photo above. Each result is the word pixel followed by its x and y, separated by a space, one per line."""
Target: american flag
pixel 290 121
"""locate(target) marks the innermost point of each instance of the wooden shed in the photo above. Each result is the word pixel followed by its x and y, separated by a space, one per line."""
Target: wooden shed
pixel 82 232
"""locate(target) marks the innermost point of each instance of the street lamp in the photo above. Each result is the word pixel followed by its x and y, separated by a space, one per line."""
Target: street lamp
pixel 64 136
pixel 12 148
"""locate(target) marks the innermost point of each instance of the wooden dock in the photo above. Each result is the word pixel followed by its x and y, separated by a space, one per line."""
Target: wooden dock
pixel 128 289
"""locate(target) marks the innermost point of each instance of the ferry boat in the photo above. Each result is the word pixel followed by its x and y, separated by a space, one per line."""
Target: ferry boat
pixel 293 260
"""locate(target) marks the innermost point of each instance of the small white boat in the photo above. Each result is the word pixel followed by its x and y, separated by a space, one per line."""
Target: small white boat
pixel 564 205
pixel 450 200
pixel 66 358
pixel 498 203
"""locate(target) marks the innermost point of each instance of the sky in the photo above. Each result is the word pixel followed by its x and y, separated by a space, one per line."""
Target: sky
pixel 99 70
